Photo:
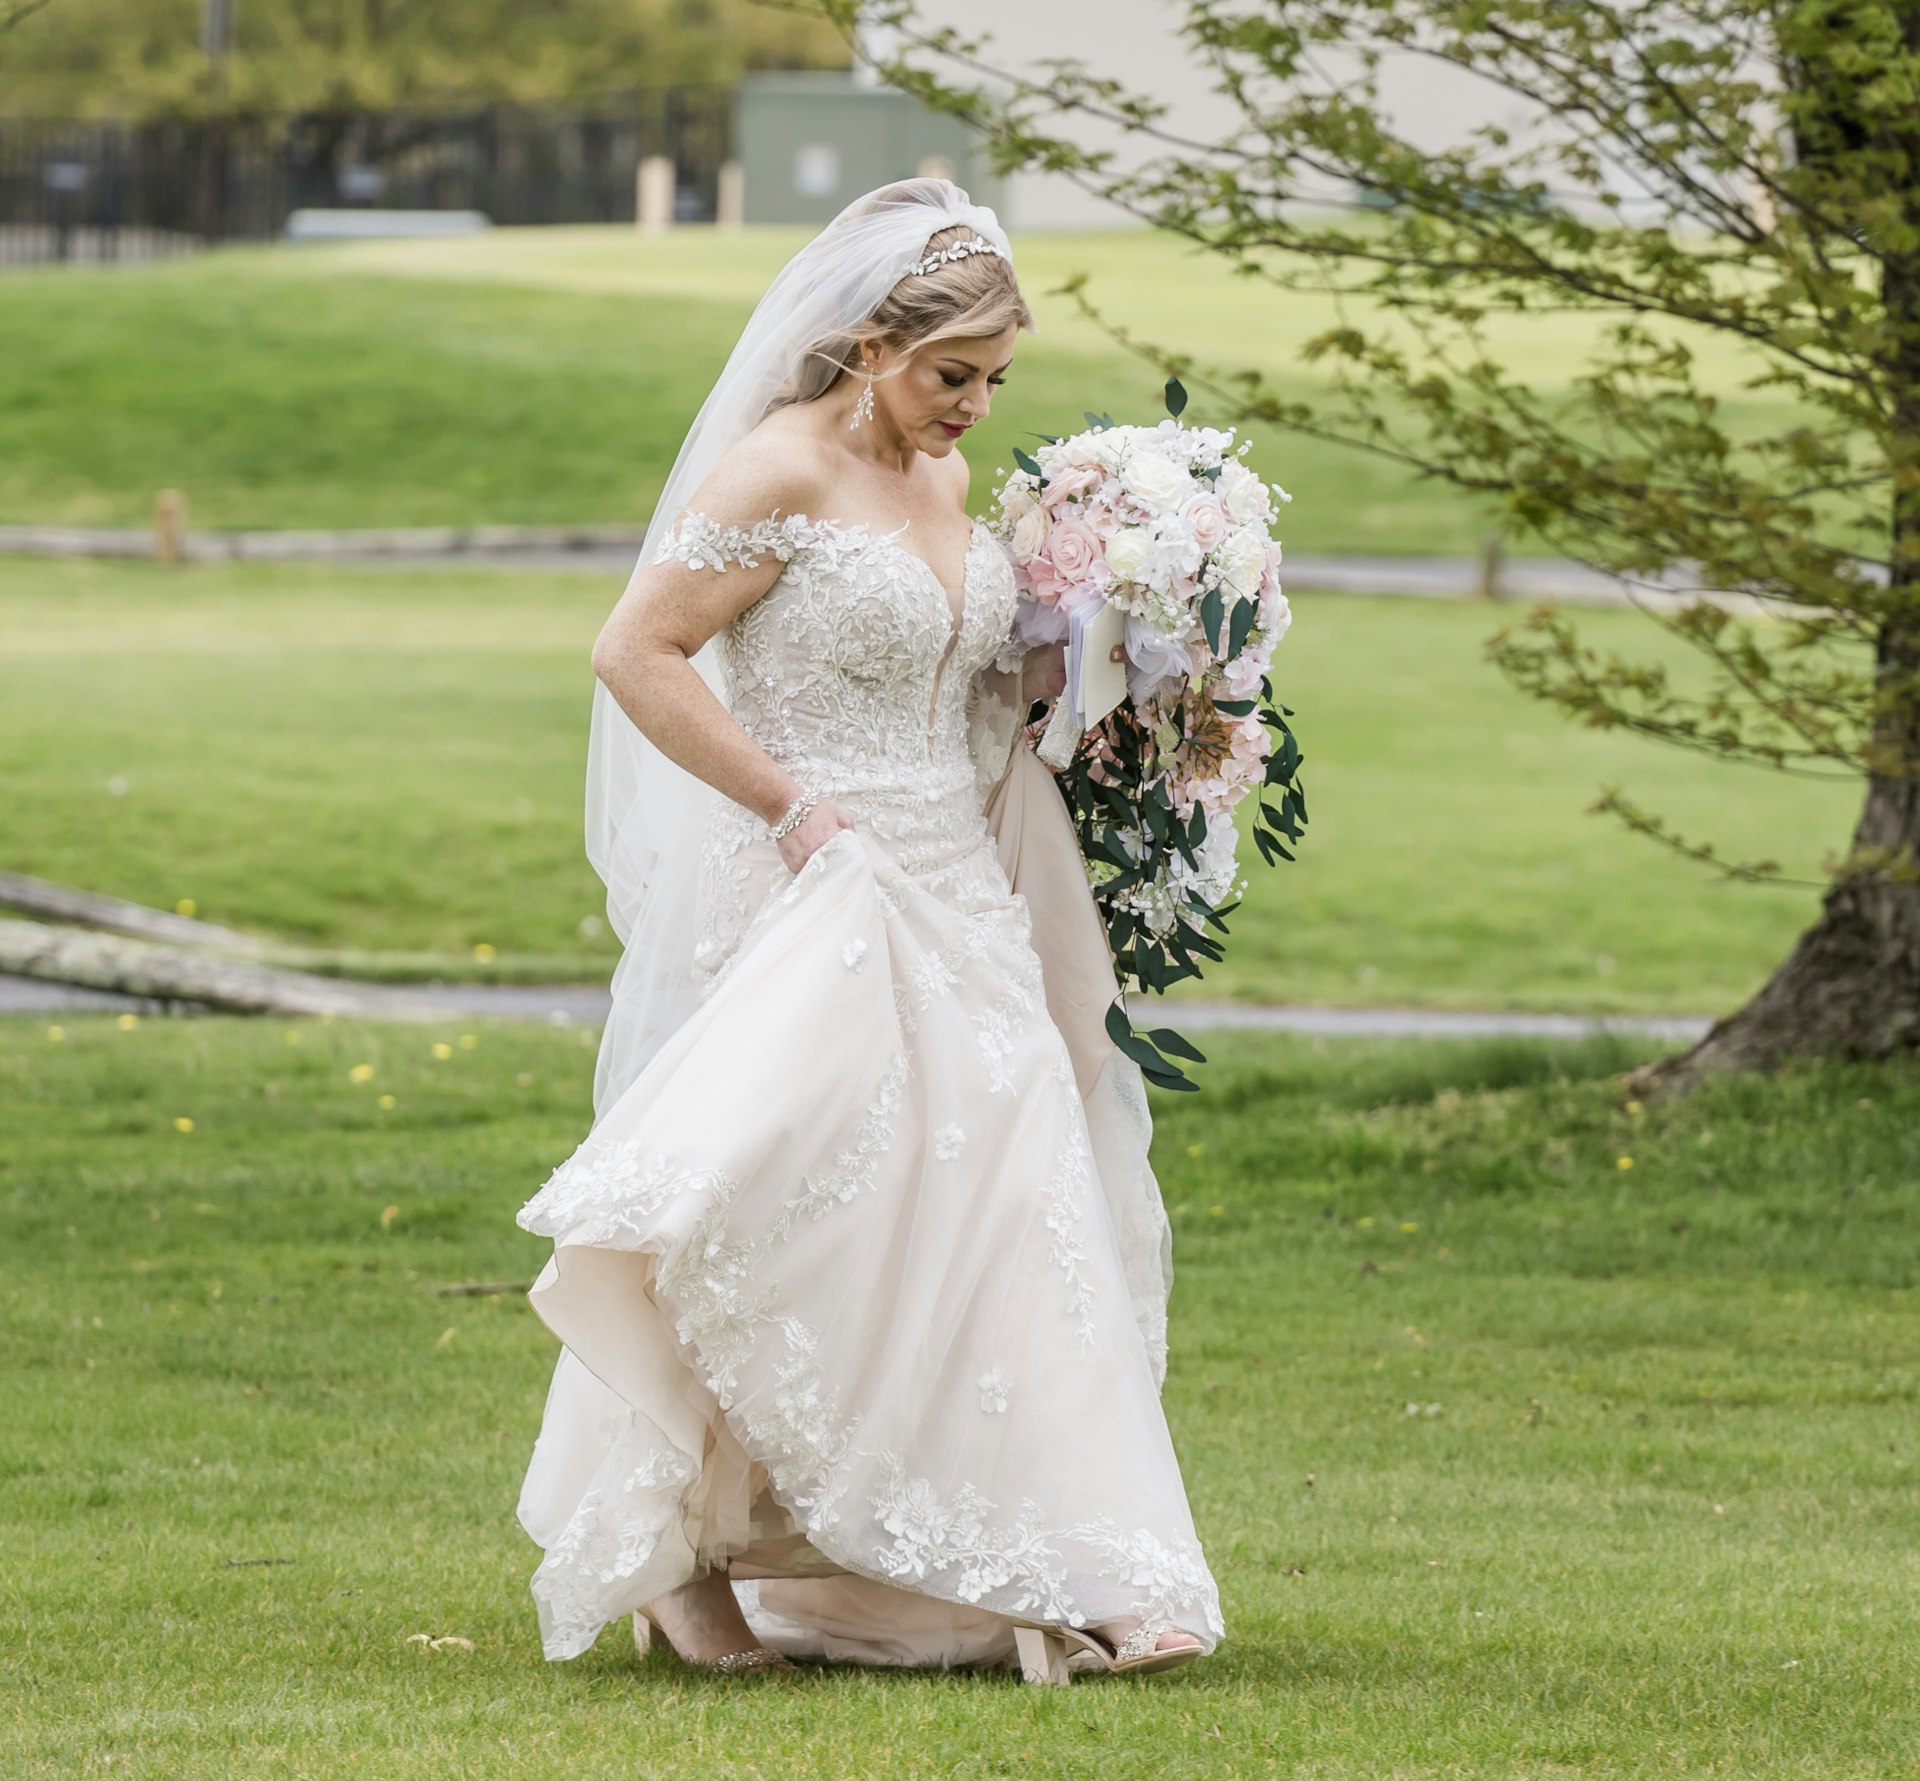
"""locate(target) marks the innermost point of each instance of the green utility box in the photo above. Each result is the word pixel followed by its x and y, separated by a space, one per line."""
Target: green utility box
pixel 809 143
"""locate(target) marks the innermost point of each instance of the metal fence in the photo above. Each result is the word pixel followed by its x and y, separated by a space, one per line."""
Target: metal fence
pixel 86 190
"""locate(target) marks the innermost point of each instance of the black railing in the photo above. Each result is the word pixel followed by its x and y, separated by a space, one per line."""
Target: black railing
pixel 85 190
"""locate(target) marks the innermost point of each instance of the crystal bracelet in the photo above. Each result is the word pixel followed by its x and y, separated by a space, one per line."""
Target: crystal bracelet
pixel 797 813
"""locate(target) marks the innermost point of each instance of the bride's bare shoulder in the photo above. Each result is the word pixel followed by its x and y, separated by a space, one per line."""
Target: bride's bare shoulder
pixel 761 474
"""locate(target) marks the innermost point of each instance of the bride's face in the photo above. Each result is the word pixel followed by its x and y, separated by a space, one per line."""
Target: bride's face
pixel 944 388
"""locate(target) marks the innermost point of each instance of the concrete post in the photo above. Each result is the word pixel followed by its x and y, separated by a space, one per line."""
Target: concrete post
pixel 169 526
pixel 729 209
pixel 653 194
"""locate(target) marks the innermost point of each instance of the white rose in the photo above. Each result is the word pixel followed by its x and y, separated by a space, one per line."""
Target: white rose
pixel 1016 500
pixel 1275 615
pixel 1154 478
pixel 1244 495
pixel 1029 533
pixel 1128 551
pixel 1242 562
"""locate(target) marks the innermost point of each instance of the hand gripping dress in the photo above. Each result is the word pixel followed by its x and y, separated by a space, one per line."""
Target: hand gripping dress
pixel 861 1283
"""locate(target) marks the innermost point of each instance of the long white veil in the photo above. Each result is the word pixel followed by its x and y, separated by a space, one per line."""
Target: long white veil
pixel 646 816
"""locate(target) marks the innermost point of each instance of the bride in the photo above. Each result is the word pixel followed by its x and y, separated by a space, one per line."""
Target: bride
pixel 860 1275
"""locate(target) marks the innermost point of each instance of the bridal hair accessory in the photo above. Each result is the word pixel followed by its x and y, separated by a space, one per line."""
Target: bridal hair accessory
pixel 959 251
pixel 647 817
pixel 797 813
pixel 863 409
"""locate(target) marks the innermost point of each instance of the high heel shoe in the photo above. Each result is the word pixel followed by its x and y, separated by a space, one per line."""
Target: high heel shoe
pixel 1044 1648
pixel 728 1663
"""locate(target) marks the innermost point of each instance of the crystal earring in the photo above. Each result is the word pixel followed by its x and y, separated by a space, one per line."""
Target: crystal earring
pixel 863 409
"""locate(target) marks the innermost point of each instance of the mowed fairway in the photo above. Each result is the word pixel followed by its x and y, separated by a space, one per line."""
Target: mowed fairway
pixel 1511 1460
pixel 545 375
pixel 391 762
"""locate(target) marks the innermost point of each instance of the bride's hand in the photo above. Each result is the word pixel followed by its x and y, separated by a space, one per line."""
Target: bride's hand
pixel 817 828
pixel 1044 672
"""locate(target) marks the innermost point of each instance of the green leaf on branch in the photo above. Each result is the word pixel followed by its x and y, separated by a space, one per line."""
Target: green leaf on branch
pixel 1168 1040
pixel 1242 623
pixel 1211 604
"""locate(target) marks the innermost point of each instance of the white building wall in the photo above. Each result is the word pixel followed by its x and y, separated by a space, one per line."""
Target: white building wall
pixel 1137 43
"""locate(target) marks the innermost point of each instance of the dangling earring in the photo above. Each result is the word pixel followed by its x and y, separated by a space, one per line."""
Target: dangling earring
pixel 863 409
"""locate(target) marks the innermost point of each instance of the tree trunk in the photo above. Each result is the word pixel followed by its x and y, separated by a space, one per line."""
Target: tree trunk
pixel 1851 987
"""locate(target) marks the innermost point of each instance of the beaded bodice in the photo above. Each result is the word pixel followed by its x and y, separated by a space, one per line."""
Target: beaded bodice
pixel 856 673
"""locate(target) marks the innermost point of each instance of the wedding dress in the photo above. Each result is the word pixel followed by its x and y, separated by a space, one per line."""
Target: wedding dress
pixel 861 1283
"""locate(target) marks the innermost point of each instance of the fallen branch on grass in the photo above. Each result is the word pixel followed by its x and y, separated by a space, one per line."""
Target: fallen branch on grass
pixel 89 909
pixel 138 968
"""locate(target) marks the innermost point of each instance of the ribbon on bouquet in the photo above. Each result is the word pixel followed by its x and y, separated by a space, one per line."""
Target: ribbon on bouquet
pixel 1096 662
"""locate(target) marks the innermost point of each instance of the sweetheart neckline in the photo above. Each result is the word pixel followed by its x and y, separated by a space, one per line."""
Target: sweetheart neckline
pixel 848 527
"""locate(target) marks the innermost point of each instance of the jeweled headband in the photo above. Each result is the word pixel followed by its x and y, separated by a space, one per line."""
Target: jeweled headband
pixel 974 244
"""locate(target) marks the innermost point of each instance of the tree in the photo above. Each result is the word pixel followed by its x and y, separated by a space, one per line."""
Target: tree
pixel 1688 174
pixel 142 59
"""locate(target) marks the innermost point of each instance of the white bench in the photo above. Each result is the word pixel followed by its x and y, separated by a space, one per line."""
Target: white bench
pixel 344 225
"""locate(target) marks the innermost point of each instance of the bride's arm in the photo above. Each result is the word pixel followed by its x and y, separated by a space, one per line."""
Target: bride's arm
pixel 670 609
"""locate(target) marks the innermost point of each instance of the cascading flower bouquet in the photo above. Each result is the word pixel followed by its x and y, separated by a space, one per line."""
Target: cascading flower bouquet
pixel 1149 552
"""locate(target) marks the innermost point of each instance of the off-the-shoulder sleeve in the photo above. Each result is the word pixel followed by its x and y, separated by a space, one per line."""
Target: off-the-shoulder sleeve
pixel 703 542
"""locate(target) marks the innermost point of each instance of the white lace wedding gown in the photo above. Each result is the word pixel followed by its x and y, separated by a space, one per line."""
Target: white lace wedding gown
pixel 861 1287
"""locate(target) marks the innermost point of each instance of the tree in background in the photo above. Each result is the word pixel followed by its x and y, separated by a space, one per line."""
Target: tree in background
pixel 142 59
pixel 1690 174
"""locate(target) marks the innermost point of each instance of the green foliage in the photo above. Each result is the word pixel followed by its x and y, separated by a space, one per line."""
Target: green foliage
pixel 1705 174
pixel 143 58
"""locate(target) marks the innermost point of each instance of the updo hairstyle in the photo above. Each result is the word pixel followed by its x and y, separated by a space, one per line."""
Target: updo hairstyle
pixel 973 297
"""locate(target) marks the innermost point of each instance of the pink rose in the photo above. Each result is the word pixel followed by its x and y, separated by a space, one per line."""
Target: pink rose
pixel 1207 519
pixel 1074 549
pixel 1043 582
pixel 1071 484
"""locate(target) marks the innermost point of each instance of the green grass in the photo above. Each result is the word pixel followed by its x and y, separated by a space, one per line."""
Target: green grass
pixel 392 761
pixel 548 375
pixel 1510 1461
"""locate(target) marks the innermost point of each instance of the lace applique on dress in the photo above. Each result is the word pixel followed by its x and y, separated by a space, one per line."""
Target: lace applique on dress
pixel 703 542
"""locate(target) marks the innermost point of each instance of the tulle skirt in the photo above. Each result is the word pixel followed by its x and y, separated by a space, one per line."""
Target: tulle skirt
pixel 862 1295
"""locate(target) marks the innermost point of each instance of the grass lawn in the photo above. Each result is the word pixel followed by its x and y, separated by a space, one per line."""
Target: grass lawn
pixel 545 375
pixel 392 760
pixel 1511 1460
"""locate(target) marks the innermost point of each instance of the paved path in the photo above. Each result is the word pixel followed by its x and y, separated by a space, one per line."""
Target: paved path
pixel 580 1004
pixel 610 551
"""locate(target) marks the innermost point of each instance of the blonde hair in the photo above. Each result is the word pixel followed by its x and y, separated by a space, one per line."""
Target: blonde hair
pixel 975 296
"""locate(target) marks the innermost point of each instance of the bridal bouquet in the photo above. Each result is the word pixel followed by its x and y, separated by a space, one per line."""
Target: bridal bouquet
pixel 1148 551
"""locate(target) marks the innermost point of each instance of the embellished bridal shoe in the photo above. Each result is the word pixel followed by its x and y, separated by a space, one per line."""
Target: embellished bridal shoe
pixel 728 1663
pixel 1044 1648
